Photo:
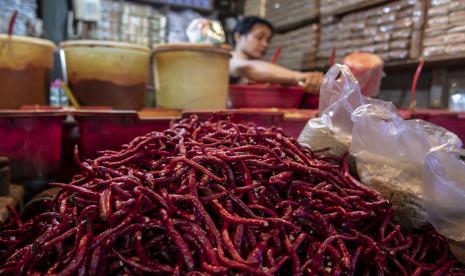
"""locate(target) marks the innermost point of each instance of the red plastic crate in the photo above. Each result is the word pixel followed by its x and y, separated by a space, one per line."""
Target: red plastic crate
pixel 109 129
pixel 294 120
pixel 265 96
pixel 310 101
pixel 32 140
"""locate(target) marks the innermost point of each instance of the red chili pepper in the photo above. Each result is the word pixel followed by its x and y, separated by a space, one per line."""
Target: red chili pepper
pixel 216 197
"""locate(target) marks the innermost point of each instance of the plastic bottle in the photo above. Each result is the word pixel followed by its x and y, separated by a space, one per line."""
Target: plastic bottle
pixel 57 94
pixel 54 99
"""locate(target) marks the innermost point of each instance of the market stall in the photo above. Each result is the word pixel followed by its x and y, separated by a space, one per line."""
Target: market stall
pixel 125 150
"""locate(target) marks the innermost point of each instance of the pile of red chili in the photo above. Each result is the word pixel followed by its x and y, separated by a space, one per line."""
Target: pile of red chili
pixel 216 197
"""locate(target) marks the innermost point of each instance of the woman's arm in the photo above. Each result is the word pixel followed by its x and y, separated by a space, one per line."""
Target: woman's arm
pixel 262 71
pixel 266 72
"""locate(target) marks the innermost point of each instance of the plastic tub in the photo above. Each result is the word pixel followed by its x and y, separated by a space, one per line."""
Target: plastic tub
pixel 32 140
pixel 262 95
pixel 25 65
pixel 106 73
pixel 191 76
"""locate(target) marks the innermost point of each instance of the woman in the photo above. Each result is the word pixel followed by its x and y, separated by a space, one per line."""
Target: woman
pixel 252 36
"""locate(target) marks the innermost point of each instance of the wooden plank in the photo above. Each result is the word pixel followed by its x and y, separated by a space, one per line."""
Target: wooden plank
pixel 437 62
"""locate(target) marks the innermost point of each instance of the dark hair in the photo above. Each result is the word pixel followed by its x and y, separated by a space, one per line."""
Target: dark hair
pixel 247 23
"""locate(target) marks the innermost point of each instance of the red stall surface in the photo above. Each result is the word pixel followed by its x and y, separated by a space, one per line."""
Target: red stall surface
pixel 32 140
pixel 264 95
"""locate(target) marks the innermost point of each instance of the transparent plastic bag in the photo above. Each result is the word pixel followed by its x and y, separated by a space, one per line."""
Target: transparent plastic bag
pixel 444 195
pixel 390 153
pixel 339 96
pixel 202 30
pixel 444 191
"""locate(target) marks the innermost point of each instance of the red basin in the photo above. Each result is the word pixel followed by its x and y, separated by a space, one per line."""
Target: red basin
pixel 263 95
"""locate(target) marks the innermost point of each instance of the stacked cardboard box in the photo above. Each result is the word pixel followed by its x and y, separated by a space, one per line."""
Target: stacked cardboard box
pixel 284 13
pixel 445 28
pixel 393 31
pixel 298 47
pixel 329 32
pixel 25 19
pixel 140 24
pixel 255 7
pixel 200 4
pixel 108 28
pixel 330 7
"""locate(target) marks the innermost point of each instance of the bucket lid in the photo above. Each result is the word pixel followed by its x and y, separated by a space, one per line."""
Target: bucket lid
pixel 362 60
pixel 103 43
pixel 28 39
pixel 220 49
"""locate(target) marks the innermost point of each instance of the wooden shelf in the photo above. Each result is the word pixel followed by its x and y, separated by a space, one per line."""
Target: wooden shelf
pixel 436 62
pixel 156 3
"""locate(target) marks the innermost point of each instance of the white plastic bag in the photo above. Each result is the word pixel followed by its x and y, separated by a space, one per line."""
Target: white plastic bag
pixel 390 154
pixel 202 30
pixel 339 96
pixel 444 191
pixel 444 195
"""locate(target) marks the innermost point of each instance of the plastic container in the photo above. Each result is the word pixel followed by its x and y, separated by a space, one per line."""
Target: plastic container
pixel 32 140
pixel 368 70
pixel 57 95
pixel 457 96
pixel 106 73
pixel 191 76
pixel 263 95
pixel 25 65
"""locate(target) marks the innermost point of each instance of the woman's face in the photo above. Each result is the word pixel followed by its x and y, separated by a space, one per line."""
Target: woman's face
pixel 256 42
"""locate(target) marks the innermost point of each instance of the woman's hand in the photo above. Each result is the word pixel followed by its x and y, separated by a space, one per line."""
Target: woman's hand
pixel 311 81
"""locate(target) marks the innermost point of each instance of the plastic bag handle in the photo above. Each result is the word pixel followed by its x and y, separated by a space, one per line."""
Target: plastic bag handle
pixel 341 74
